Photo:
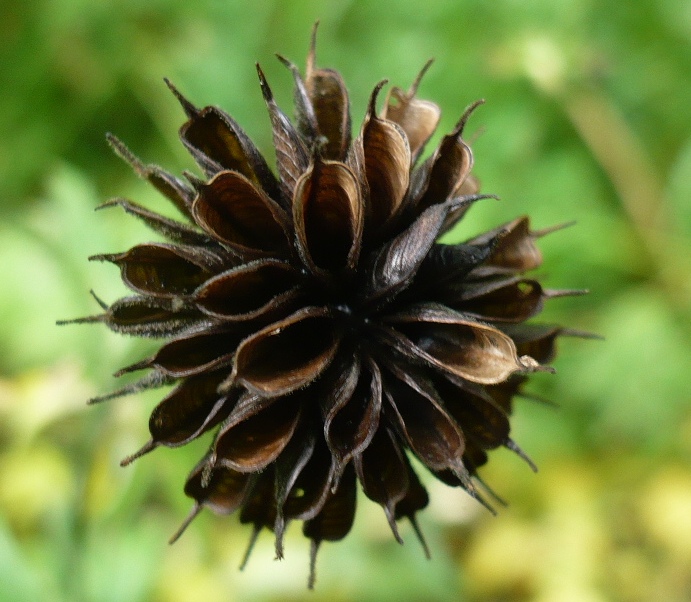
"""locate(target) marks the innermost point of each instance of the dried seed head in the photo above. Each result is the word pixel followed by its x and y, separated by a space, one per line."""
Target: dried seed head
pixel 315 324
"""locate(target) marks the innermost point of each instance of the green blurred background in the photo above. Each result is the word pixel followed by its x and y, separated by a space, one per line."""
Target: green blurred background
pixel 588 118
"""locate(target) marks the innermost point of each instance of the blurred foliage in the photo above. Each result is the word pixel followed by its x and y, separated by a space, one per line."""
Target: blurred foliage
pixel 587 118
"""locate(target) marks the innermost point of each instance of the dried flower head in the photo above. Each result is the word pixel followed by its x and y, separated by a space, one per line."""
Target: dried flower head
pixel 315 324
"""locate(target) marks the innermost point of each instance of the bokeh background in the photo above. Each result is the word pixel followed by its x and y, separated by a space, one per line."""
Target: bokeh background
pixel 588 118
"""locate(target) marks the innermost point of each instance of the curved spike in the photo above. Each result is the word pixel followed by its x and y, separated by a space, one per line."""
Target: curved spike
pixel 372 106
pixel 168 228
pixel 392 524
pixel 185 523
pixel 538 399
pixel 513 446
pixel 501 501
pixel 98 300
pixel 114 202
pixel 303 104
pixel 187 106
pixel 460 126
pixel 102 257
pixel 312 53
pixel 250 546
pixel 149 446
pixel 414 86
pixel 150 381
pixel 264 85
pixel 141 365
pixel 420 536
pixel 475 494
pixel 314 548
pixel 167 184
pixel 471 198
pixel 550 229
pixel 566 292
pixel 279 528
pixel 121 392
pixel 84 320
pixel 126 154
pixel 463 476
pixel 287 63
pixel 581 334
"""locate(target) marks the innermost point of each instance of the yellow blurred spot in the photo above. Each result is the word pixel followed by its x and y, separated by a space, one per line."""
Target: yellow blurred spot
pixel 543 62
pixel 632 572
pixel 504 556
pixel 666 510
pixel 187 578
pixel 37 399
pixel 106 483
pixel 34 482
pixel 557 557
